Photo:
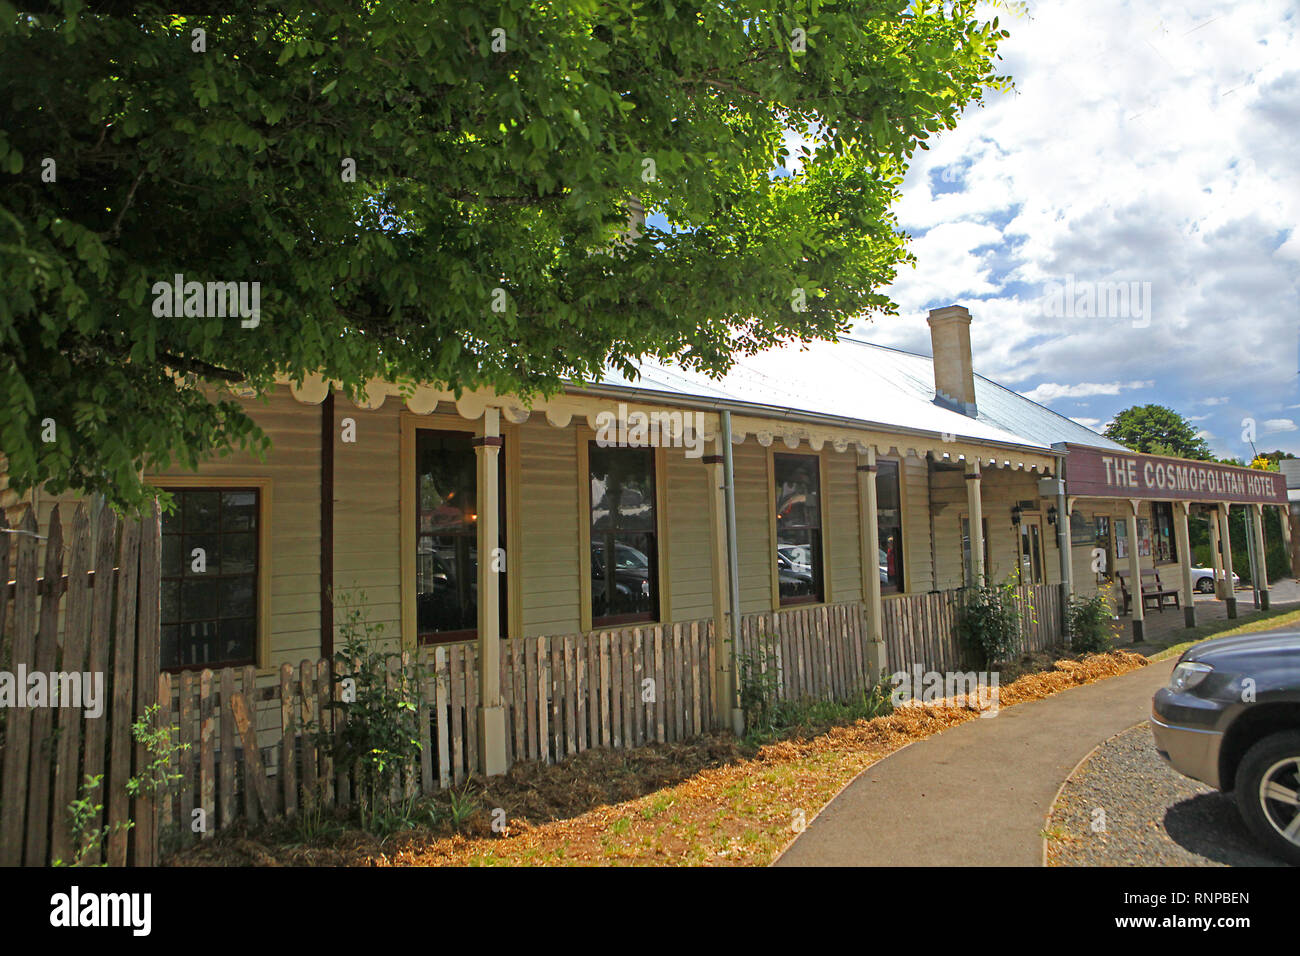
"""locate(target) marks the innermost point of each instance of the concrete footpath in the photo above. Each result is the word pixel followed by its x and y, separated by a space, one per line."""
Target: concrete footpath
pixel 978 794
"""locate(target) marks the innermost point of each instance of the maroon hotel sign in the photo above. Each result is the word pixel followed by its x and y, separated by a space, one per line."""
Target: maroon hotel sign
pixel 1099 473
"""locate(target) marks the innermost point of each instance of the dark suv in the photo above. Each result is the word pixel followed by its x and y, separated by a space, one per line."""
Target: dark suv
pixel 1230 717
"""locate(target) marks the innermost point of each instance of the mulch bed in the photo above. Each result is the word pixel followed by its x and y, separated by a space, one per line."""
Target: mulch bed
pixel 711 800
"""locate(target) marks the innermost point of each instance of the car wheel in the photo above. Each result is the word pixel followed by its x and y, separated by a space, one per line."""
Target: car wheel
pixel 1205 585
pixel 1268 793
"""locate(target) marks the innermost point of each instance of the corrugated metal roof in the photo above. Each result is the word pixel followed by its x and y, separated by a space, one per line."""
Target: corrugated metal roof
pixel 873 384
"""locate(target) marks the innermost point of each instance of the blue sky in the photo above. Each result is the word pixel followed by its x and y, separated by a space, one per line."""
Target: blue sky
pixel 1154 144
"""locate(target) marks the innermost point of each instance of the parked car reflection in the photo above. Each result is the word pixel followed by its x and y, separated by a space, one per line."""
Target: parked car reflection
pixel 630 581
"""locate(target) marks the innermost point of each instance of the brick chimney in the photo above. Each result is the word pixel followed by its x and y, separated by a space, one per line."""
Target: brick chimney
pixel 954 379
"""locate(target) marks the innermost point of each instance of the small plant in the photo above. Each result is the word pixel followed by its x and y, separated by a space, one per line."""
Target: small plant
pixel 760 684
pixel 163 748
pixel 1091 623
pixel 464 805
pixel 312 821
pixel 381 734
pixel 82 812
pixel 989 621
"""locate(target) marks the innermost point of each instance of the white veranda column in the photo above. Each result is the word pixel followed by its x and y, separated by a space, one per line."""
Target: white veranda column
pixel 1135 572
pixel 869 542
pixel 1225 540
pixel 1261 562
pixel 1183 543
pixel 491 710
pixel 975 505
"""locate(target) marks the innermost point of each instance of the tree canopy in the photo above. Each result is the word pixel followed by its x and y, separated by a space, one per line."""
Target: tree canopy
pixel 435 191
pixel 1157 430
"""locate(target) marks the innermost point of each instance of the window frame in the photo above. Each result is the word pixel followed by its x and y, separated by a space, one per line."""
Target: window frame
pixel 900 464
pixel 779 603
pixel 1108 545
pixel 1159 510
pixel 263 486
pixel 409 423
pixel 584 435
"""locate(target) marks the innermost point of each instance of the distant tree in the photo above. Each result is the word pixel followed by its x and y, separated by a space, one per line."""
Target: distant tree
pixel 1157 430
pixel 1276 456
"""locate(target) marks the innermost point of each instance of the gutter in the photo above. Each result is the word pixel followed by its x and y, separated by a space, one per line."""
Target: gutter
pixel 785 414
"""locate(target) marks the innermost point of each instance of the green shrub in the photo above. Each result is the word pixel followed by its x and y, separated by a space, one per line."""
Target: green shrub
pixel 1091 622
pixel 759 688
pixel 381 734
pixel 989 621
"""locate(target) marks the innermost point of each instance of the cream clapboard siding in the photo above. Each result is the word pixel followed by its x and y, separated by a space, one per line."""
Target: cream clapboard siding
pixel 840 485
pixel 918 569
pixel 753 526
pixel 367 514
pixel 549 561
pixel 690 557
pixel 948 498
pixel 293 465
pixel 1000 490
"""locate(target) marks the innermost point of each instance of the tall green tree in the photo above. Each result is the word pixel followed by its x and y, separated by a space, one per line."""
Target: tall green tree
pixel 1157 430
pixel 435 191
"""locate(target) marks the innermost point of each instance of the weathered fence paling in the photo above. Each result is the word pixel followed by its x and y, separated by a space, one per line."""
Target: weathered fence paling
pixel 96 632
pixel 816 652
pixel 922 628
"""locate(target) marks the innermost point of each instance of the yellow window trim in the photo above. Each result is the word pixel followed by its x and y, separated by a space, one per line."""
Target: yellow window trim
pixel 264 553
pixel 443 421
pixel 822 457
pixel 909 569
pixel 583 436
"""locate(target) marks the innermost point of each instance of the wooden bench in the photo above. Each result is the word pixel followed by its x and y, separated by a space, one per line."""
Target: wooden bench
pixel 1154 593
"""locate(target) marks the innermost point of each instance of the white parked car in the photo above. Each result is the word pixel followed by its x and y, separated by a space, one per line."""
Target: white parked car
pixel 1203 580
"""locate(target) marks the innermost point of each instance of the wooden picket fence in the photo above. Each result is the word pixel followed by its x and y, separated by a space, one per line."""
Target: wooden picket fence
pixel 818 653
pixel 248 753
pixel 251 752
pixel 1041 620
pixel 922 628
pixel 101 617
pixel 568 693
pixel 253 749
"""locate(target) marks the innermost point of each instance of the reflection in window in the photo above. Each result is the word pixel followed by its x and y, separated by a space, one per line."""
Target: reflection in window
pixel 968 572
pixel 446 541
pixel 624 538
pixel 889 522
pixel 798 528
pixel 209 578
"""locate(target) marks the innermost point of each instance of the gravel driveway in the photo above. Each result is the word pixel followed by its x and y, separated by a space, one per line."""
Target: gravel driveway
pixel 1150 815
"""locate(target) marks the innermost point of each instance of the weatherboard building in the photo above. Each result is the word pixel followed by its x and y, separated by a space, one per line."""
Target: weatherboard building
pixel 815 515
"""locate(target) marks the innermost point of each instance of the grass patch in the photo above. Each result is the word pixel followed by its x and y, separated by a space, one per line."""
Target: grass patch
pixel 1257 621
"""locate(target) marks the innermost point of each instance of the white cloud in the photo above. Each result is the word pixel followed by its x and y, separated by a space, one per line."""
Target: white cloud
pixel 1092 423
pixel 1150 142
pixel 1049 391
pixel 1273 425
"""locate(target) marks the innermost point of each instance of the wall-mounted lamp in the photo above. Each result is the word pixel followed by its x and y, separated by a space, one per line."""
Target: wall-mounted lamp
pixel 1051 515
pixel 1015 516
